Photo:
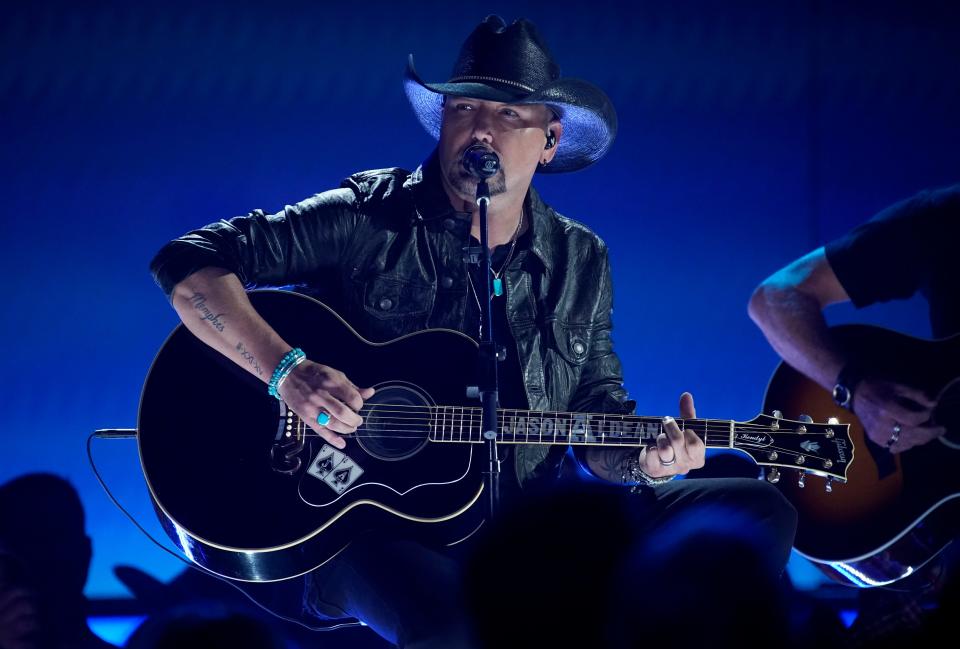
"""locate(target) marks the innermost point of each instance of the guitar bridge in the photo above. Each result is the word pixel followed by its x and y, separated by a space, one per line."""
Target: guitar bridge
pixel 287 443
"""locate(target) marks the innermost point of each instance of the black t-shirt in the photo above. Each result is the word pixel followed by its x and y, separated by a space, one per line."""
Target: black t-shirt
pixel 910 247
pixel 512 392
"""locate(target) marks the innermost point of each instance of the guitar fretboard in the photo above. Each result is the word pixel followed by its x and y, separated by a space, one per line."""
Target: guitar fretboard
pixel 462 424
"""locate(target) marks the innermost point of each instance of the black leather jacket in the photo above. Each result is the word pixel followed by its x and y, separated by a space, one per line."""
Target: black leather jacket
pixel 386 251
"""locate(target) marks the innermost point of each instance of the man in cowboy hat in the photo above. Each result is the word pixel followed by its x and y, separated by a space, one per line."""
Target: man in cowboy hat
pixel 387 250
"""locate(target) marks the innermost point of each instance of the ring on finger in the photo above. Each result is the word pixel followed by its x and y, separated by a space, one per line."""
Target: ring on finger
pixel 323 418
pixel 672 461
pixel 895 436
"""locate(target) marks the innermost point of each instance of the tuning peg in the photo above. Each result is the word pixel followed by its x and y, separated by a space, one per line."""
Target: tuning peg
pixel 829 485
pixel 807 419
pixel 801 479
pixel 833 421
pixel 777 414
pixel 773 475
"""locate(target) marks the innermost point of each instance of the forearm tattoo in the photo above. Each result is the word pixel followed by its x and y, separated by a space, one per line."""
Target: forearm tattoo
pixel 247 356
pixel 199 302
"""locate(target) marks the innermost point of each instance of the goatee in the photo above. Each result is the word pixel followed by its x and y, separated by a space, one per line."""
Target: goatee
pixel 466 185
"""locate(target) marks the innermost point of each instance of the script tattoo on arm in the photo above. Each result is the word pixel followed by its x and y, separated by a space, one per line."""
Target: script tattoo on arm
pixel 247 356
pixel 199 302
pixel 609 463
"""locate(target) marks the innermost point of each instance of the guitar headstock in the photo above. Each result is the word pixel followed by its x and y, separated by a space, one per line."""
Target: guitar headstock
pixel 823 449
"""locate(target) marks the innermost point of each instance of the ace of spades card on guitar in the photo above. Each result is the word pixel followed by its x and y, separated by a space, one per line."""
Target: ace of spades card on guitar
pixel 368 445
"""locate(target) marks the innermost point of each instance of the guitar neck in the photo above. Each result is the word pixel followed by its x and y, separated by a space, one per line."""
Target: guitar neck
pixel 462 425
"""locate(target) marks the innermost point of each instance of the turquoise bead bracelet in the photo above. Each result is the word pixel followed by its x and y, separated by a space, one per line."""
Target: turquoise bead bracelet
pixel 289 361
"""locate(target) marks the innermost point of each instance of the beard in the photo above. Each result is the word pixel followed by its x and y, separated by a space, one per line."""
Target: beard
pixel 466 185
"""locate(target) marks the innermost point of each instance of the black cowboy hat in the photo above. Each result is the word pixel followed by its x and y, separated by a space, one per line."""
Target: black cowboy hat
pixel 513 65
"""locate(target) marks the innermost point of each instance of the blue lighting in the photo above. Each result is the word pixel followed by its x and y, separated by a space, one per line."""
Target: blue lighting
pixel 115 630
pixel 848 617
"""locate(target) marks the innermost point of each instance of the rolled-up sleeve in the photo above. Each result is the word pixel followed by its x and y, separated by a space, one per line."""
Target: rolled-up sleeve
pixel 263 249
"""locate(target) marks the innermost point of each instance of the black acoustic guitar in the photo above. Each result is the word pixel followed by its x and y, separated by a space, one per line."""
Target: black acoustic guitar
pixel 896 512
pixel 245 489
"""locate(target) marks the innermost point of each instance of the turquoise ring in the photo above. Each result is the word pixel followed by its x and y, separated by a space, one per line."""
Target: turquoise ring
pixel 323 418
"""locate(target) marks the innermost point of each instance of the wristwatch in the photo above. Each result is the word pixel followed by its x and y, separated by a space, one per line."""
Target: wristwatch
pixel 847 381
pixel 842 395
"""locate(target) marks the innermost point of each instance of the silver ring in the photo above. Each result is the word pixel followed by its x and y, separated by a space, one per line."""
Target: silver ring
pixel 670 463
pixel 895 436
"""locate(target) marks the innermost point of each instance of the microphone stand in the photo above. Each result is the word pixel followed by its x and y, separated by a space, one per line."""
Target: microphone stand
pixel 488 383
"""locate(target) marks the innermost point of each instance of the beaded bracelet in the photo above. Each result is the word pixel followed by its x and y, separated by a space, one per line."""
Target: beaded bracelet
pixel 632 473
pixel 289 361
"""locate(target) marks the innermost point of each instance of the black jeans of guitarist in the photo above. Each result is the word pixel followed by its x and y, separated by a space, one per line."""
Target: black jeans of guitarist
pixel 585 563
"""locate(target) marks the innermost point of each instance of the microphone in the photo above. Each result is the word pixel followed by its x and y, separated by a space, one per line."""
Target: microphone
pixel 480 162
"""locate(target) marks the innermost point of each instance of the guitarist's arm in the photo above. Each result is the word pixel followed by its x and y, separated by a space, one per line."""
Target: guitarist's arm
pixel 788 308
pixel 214 306
pixel 206 271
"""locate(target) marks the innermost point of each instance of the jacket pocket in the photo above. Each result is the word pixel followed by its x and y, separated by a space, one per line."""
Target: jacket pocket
pixel 389 298
pixel 572 342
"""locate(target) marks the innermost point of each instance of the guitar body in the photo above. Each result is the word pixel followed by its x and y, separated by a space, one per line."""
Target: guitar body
pixel 896 512
pixel 248 491
pixel 245 500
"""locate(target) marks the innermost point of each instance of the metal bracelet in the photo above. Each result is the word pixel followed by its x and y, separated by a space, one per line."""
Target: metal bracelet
pixel 637 477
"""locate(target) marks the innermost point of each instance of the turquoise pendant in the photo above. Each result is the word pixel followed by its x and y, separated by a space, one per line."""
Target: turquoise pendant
pixel 497 286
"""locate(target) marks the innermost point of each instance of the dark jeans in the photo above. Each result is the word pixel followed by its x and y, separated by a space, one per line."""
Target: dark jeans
pixel 556 547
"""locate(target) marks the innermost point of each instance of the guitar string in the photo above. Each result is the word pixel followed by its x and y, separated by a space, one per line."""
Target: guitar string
pixel 439 408
pixel 409 407
pixel 455 420
pixel 601 429
pixel 428 413
pixel 801 467
pixel 566 439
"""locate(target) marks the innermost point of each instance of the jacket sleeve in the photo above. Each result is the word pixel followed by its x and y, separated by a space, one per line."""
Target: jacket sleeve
pixel 601 381
pixel 266 249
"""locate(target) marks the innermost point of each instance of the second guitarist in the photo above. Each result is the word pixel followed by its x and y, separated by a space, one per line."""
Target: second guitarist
pixel 909 248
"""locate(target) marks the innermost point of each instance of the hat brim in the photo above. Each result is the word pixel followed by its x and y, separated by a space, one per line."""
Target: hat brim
pixel 588 117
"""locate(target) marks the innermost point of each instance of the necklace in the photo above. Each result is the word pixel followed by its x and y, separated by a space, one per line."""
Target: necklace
pixel 497 280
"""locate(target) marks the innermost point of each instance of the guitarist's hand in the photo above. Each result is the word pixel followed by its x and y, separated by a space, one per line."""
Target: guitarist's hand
pixel 685 447
pixel 311 388
pixel 881 404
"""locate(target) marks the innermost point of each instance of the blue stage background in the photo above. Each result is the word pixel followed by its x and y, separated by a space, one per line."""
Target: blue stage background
pixel 750 133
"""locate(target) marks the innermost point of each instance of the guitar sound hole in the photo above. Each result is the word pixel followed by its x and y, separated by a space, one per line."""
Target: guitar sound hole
pixel 396 422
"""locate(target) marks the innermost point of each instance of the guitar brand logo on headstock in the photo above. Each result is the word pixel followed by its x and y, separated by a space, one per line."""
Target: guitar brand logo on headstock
pixel 335 469
pixel 841 450
pixel 755 439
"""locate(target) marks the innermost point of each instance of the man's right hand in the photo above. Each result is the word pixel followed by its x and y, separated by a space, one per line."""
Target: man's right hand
pixel 312 388
pixel 881 405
